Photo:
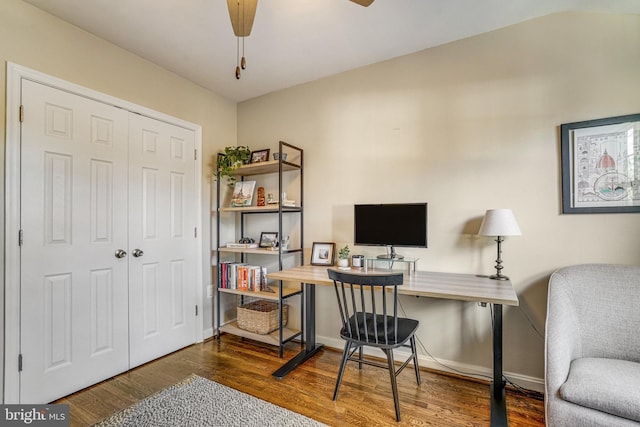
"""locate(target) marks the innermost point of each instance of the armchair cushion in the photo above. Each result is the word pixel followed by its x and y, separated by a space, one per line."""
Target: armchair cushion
pixel 607 385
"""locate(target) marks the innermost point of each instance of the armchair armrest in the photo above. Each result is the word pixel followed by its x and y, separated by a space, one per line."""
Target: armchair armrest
pixel 562 344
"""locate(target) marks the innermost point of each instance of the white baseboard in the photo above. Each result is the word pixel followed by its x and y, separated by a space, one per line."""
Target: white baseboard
pixel 208 333
pixel 472 371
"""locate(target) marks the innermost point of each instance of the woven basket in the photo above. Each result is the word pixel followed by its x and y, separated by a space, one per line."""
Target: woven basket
pixel 261 317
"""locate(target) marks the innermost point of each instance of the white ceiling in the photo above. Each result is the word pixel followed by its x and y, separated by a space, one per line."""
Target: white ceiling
pixel 295 41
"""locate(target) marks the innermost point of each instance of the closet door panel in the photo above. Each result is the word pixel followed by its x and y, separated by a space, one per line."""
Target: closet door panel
pixel 162 190
pixel 74 291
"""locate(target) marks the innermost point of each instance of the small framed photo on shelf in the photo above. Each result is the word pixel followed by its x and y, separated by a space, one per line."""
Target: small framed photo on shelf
pixel 268 239
pixel 243 194
pixel 323 253
pixel 260 156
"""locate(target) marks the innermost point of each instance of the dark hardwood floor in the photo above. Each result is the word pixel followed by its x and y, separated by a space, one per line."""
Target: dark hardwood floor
pixel 365 396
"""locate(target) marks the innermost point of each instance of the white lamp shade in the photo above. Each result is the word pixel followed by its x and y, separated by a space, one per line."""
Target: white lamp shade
pixel 499 222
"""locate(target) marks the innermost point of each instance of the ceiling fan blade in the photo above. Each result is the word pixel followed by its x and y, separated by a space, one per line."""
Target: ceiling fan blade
pixel 242 13
pixel 364 3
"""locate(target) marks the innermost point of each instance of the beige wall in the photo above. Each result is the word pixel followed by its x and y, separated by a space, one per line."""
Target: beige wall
pixel 37 40
pixel 467 126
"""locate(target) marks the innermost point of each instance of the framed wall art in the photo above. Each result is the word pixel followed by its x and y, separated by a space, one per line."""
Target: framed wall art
pixel 601 165
pixel 323 253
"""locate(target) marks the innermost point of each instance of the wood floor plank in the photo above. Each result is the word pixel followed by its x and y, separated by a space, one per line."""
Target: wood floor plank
pixel 365 397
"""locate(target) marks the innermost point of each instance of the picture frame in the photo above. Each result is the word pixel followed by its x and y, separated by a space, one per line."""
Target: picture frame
pixel 323 253
pixel 267 238
pixel 242 194
pixel 601 165
pixel 260 155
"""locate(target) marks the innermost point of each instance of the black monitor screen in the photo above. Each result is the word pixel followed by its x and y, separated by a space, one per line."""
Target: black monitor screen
pixel 400 224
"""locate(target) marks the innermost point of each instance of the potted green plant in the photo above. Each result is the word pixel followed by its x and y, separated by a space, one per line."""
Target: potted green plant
pixel 231 159
pixel 343 257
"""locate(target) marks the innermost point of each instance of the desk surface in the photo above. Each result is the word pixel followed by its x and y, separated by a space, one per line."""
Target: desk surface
pixel 463 287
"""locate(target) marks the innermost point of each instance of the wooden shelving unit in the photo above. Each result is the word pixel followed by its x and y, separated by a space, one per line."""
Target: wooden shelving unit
pixel 280 293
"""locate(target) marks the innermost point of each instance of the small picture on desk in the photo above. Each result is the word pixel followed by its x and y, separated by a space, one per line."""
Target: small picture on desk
pixel 323 253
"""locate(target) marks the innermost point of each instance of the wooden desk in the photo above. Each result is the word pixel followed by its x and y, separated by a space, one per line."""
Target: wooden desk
pixel 462 287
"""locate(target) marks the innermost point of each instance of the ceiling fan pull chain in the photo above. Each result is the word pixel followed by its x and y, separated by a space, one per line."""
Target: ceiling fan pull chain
pixel 237 58
pixel 243 62
pixel 238 47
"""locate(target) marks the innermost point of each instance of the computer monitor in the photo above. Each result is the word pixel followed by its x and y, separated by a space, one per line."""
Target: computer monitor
pixel 391 224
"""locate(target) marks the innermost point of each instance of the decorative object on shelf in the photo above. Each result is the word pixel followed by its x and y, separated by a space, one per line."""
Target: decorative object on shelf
pixel 243 194
pixel 598 160
pixel 357 261
pixel 343 257
pixel 499 223
pixel 244 243
pixel 261 200
pixel 323 253
pixel 260 155
pixel 231 159
pixel 268 239
pixel 286 202
pixel 284 244
pixel 276 156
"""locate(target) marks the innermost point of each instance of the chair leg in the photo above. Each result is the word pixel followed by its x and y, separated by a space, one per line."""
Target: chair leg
pixel 360 352
pixel 343 363
pixel 415 359
pixel 394 384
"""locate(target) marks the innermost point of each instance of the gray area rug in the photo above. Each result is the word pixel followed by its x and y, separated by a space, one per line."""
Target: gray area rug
pixel 197 401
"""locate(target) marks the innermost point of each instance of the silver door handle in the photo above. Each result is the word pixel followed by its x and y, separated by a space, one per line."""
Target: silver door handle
pixel 120 253
pixel 137 253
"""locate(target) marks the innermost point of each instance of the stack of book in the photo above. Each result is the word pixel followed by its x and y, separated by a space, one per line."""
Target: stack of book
pixel 243 277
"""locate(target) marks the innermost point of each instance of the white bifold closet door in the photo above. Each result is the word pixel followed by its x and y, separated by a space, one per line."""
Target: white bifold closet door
pixel 100 184
pixel 162 225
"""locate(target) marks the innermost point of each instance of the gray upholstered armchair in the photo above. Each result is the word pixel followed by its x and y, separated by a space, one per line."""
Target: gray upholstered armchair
pixel 592 358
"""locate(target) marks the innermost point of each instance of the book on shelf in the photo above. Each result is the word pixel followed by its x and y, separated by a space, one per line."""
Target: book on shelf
pixel 242 245
pixel 285 203
pixel 243 277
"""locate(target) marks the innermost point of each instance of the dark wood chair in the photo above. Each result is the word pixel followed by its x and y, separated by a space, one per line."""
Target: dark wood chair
pixel 368 306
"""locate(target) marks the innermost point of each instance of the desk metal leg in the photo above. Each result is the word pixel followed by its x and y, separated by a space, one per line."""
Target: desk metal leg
pixel 498 403
pixel 310 345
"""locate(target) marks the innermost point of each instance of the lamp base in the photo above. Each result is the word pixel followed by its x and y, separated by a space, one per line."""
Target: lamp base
pixel 499 275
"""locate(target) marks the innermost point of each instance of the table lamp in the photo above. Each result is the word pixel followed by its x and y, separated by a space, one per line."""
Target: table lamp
pixel 499 223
